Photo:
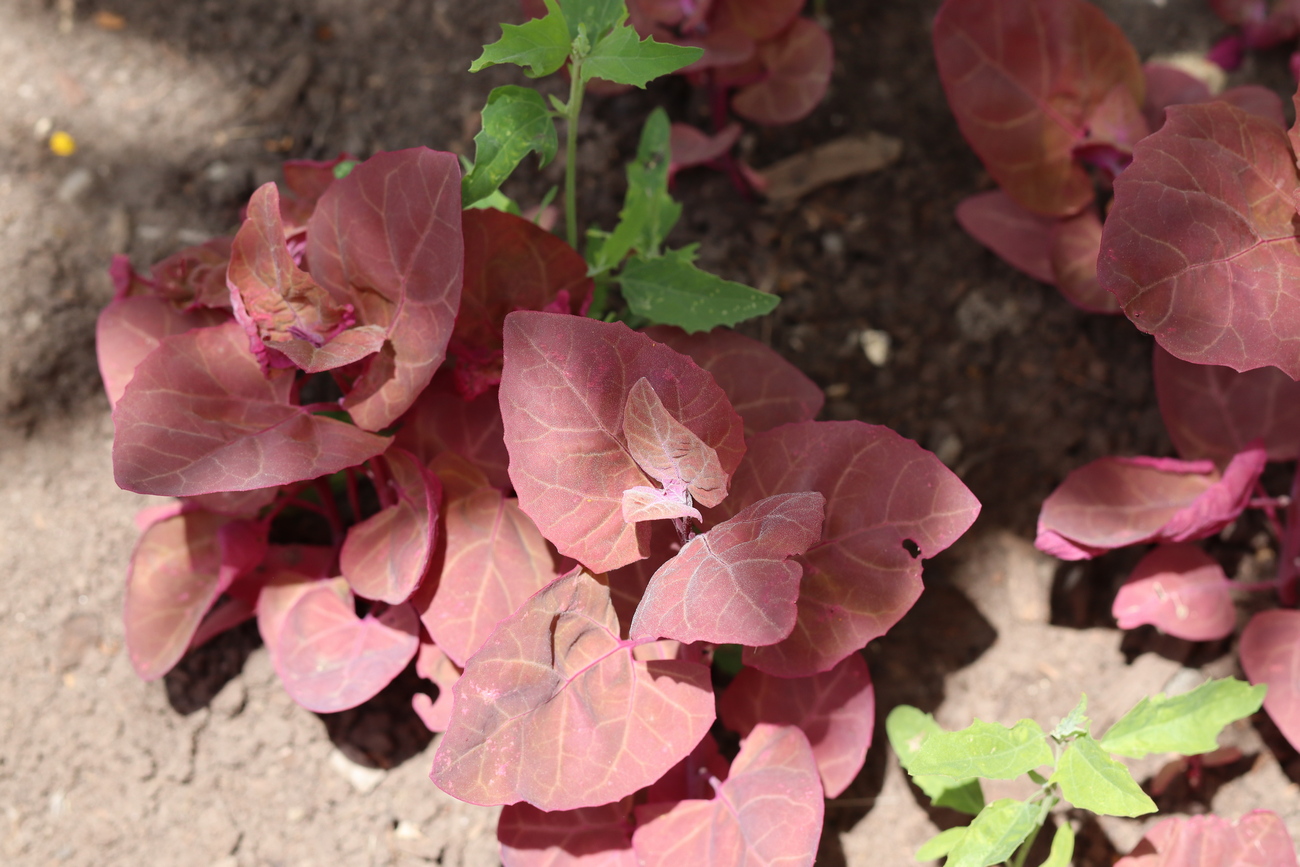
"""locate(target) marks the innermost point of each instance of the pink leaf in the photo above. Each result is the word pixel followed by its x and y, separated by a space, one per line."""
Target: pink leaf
pixel 385 556
pixel 443 421
pixel 563 394
pixel 510 264
pixel 1075 245
pixel 1018 236
pixel 644 503
pixel 1270 654
pixel 330 660
pixel 1257 839
pixel 195 276
pixel 1168 85
pixel 835 709
pixel 768 812
pixel 735 583
pixel 627 584
pixel 889 503
pixel 693 147
pixel 765 390
pixel 432 664
pixel 129 329
pixel 180 566
pixel 199 417
pixel 667 450
pixel 1200 247
pixel 690 778
pixel 586 837
pixel 236 504
pixel 798 66
pixel 1180 590
pixel 1215 412
pixel 495 559
pixel 388 236
pixel 757 19
pixel 1114 502
pixel 1257 100
pixel 1024 79
pixel 306 181
pixel 555 710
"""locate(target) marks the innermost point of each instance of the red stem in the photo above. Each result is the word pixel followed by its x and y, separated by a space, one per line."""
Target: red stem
pixel 354 500
pixel 1286 570
pixel 379 475
pixel 330 510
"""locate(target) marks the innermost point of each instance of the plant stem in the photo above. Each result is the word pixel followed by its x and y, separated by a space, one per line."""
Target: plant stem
pixel 572 111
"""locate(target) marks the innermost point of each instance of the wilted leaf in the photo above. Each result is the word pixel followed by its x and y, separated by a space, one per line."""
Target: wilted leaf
pixel 827 163
pixel 1270 654
pixel 1188 724
pixel 586 837
pixel 1182 591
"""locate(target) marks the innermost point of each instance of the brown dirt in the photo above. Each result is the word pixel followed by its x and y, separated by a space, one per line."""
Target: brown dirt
pixel 182 111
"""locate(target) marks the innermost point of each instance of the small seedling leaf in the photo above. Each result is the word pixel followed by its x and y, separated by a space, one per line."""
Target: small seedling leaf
pixel 671 290
pixel 984 750
pixel 1075 723
pixel 994 834
pixel 540 46
pixel 648 213
pixel 623 57
pixel 1188 724
pixel 1092 780
pixel 516 122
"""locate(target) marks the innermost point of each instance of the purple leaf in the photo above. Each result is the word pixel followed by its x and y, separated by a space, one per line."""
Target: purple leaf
pixel 200 417
pixel 757 19
pixel 563 393
pixel 330 660
pixel 1017 235
pixel 889 504
pixel 494 559
pixel 767 813
pixel 386 555
pixel 797 65
pixel 1215 412
pixel 835 709
pixel 555 710
pixel 129 329
pixel 1257 839
pixel 1180 590
pixel 443 421
pixel 1026 80
pixel 586 837
pixel 1200 246
pixel 765 390
pixel 432 664
pixel 1114 502
pixel 388 236
pixel 1270 654
pixel 735 583
pixel 180 566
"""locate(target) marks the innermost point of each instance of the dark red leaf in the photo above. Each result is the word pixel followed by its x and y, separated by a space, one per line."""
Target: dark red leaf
pixel 1075 245
pixel 765 390
pixel 889 504
pixel 557 711
pixel 1270 654
pixel 180 566
pixel 586 837
pixel 1018 236
pixel 331 660
pixel 735 584
pixel 388 237
pixel 835 709
pixel 1200 247
pixel 1215 412
pixel 797 65
pixel 1114 502
pixel 1257 839
pixel 767 813
pixel 563 395
pixel 627 584
pixel 128 329
pixel 1181 591
pixel 200 417
pixel 443 421
pixel 693 777
pixel 1024 80
pixel 386 555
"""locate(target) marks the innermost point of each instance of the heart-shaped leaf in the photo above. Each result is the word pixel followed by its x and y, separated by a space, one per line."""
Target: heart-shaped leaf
pixel 1180 590
pixel 1257 839
pixel 1270 654
pixel 798 64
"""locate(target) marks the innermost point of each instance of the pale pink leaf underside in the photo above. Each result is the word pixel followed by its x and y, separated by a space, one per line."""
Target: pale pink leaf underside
pixel 667 450
pixel 1180 590
pixel 128 329
pixel 585 837
pixel 1270 654
pixel 554 709
pixel 835 709
pixel 735 584
pixel 798 65
pixel 199 416
pixel 645 503
pixel 1257 839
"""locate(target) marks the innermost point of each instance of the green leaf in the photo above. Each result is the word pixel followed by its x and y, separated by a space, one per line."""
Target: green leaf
pixel 1075 723
pixel 649 213
pixel 670 290
pixel 515 122
pixel 597 16
pixel 940 844
pixel 1187 724
pixel 497 201
pixel 726 658
pixel 1092 780
pixel 1062 848
pixel 995 834
pixel 985 750
pixel 907 728
pixel 343 169
pixel 540 45
pixel 623 57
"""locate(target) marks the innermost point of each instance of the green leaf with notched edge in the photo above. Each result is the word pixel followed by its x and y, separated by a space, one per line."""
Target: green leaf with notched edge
pixel 649 213
pixel 995 833
pixel 907 728
pixel 597 16
pixel 1075 723
pixel 670 290
pixel 985 750
pixel 940 844
pixel 496 201
pixel 1187 724
pixel 1062 848
pixel 540 46
pixel 623 57
pixel 516 122
pixel 1091 780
